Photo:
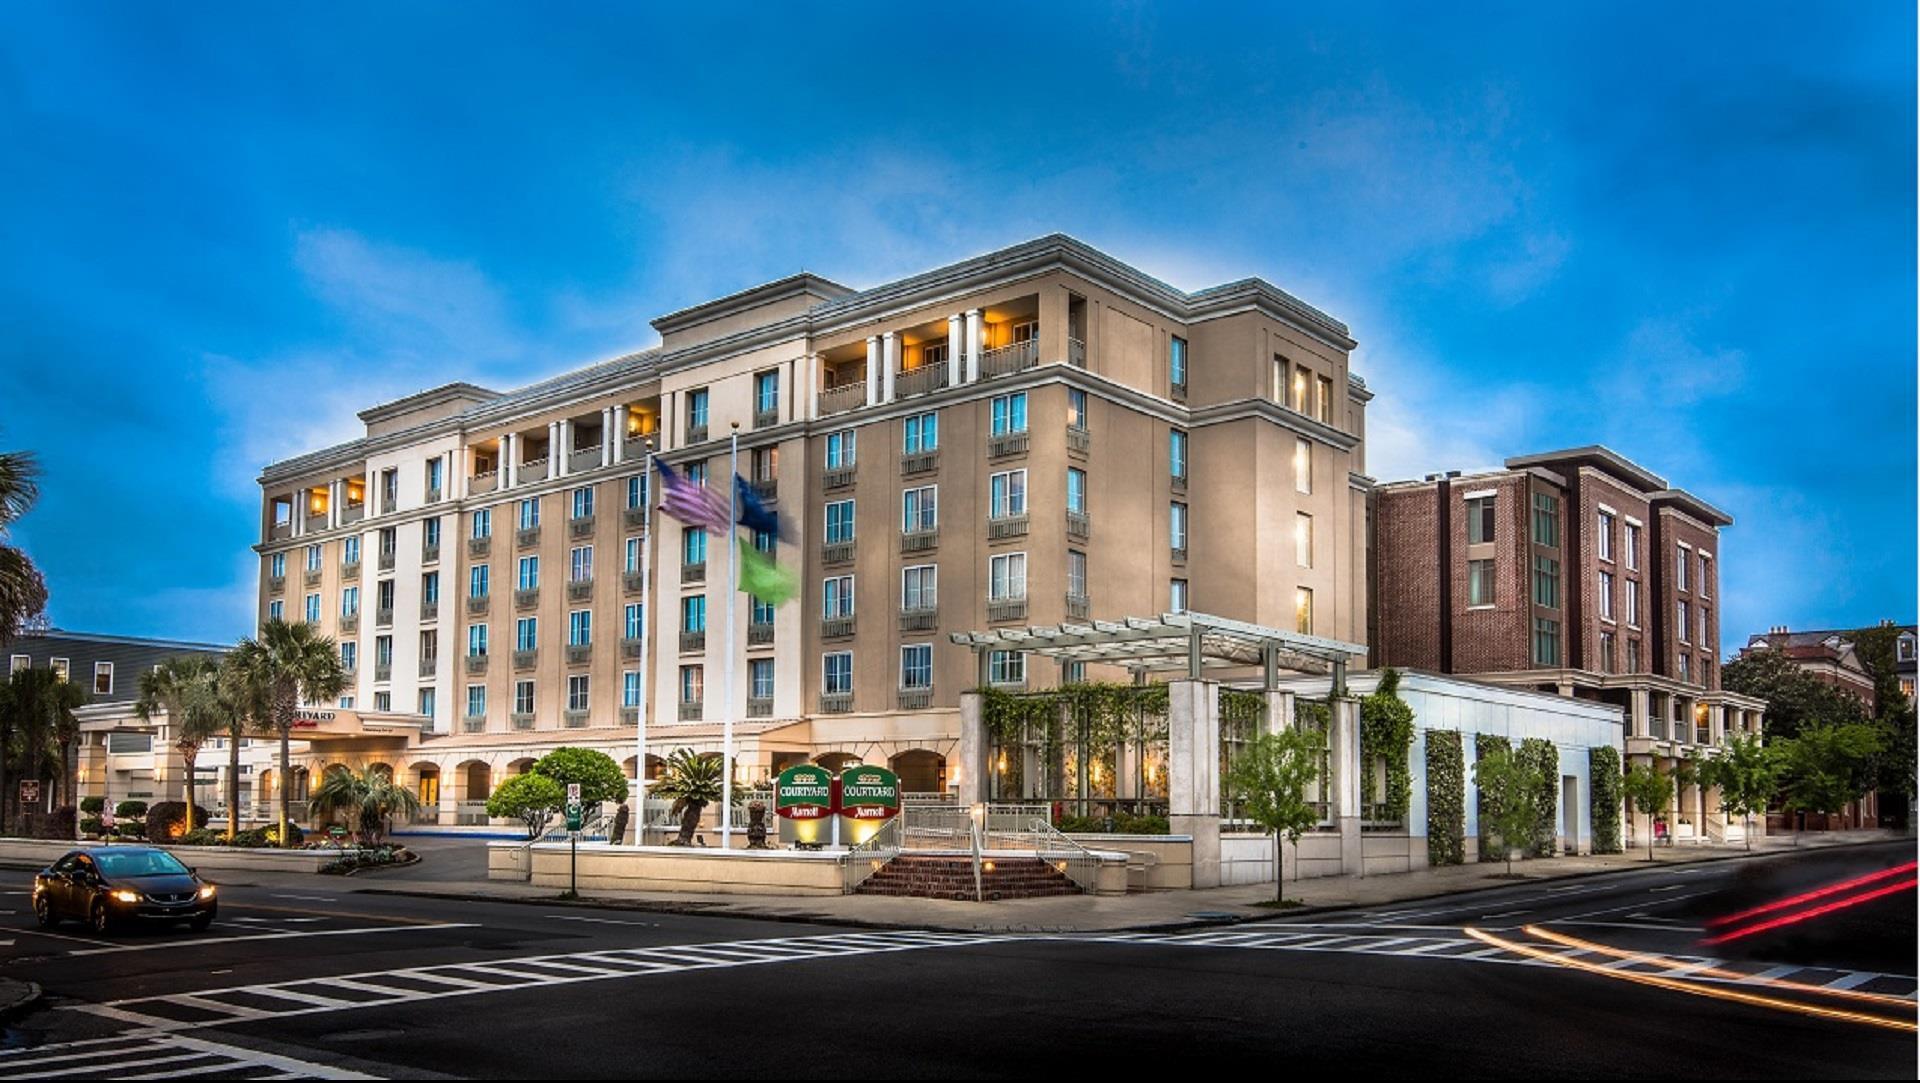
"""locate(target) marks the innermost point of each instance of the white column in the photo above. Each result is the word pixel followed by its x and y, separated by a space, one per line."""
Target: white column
pixel 873 369
pixel 889 363
pixel 369 497
pixel 1343 739
pixel 1193 772
pixel 618 452
pixel 973 344
pixel 563 432
pixel 812 369
pixel 1279 712
pixel 509 462
pixel 972 766
pixel 336 495
pixel 955 348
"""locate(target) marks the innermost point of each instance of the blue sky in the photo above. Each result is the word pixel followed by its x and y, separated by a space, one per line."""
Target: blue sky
pixel 1685 231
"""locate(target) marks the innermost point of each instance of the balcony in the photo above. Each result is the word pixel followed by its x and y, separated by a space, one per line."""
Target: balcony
pixel 836 552
pixel 633 582
pixel 1702 736
pixel 1078 525
pixel 526 599
pixel 350 616
pixel 481 484
pixel 383 617
pixel 634 518
pixel 480 547
pixel 383 671
pixel 1178 483
pixel 1076 352
pixel 919 619
pixel 1006 444
pixel 525 659
pixel 276 584
pixel 633 449
pixel 1008 360
pixel 476 664
pixel 767 489
pixel 429 666
pixel 1179 554
pixel 522 720
pixel 766 419
pixel 527 537
pixel 531 470
pixel 311 577
pixel 1079 440
pixel 389 502
pixel 759 635
pixel 585 458
pixel 693 573
pixel 836 627
pixel 350 569
pixel 696 433
pixel 579 654
pixel 836 477
pixel 429 554
pixel 630 647
pixel 430 610
pixel 433 495
pixel 923 462
pixel 279 531
pixel 350 672
pixel 1178 392
pixel 316 523
pixel 630 716
pixel 693 642
pixel 477 604
pixel 920 381
pixel 1002 609
pixel 836 702
pixel 838 400
pixel 580 590
pixel 474 723
pixel 353 513
pixel 759 707
pixel 385 560
pixel 920 541
pixel 691 711
pixel 914 699
pixel 1006 526
pixel 580 526
pixel 574 719
pixel 1077 606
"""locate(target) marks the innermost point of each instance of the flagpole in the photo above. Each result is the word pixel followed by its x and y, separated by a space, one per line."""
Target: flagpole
pixel 646 634
pixel 726 738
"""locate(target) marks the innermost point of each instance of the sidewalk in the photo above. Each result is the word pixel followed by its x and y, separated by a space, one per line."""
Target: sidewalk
pixel 1146 910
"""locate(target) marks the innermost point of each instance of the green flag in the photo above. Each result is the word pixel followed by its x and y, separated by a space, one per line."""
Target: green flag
pixel 762 578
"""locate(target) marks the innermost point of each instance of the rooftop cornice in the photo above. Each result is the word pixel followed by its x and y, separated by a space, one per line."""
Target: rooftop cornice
pixel 1603 457
pixel 1695 507
pixel 433 396
pixel 804 284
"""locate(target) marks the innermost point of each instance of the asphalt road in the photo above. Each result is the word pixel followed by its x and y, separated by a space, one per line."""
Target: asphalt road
pixel 1601 976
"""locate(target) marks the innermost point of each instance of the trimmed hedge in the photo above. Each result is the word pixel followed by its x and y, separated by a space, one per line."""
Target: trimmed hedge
pixel 1446 798
pixel 1541 755
pixel 130 810
pixel 1603 768
pixel 1484 745
pixel 93 806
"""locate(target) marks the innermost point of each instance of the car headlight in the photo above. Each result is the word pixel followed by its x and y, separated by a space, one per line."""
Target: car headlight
pixel 206 891
pixel 125 896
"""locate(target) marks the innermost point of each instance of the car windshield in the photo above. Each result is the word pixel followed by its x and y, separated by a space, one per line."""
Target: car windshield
pixel 139 863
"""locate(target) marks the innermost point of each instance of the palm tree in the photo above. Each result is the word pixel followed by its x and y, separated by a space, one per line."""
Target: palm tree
pixel 234 704
pixel 10 710
pixel 40 706
pixel 23 592
pixel 693 782
pixel 178 688
pixel 281 667
pixel 370 798
pixel 65 698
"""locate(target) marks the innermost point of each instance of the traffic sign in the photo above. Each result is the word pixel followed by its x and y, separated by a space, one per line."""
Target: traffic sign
pixel 573 793
pixel 29 791
pixel 575 815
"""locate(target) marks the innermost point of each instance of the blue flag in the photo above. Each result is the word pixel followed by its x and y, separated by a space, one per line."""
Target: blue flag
pixel 754 513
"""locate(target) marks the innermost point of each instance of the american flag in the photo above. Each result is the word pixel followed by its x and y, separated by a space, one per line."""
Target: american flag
pixel 694 505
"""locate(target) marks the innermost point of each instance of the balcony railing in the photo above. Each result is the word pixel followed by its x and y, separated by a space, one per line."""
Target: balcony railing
pixel 693 642
pixel 1077 606
pixel 1078 525
pixel 522 720
pixel 480 547
pixel 1702 735
pixel 429 553
pixel 480 484
pixel 836 477
pixel 919 619
pixel 1006 526
pixel 383 616
pixel 836 552
pixel 920 541
pixel 311 577
pixel 579 654
pixel 429 666
pixel 836 400
pixel 527 537
pixel 574 719
pixel 1179 554
pixel 921 380
pixel 353 513
pixel 476 664
pixel 280 530
pixel 629 716
pixel 276 584
pixel 694 573
pixel 531 470
pixel 1657 728
pixel 633 449
pixel 836 627
pixel 691 711
pixel 767 489
pixel 634 518
pixel 836 702
pixel 1008 360
pixel 630 647
pixel 697 434
pixel 316 523
pixel 1000 609
pixel 386 560
pixel 759 635
pixel 474 723
pixel 1007 443
pixel 915 699
pixel 584 458
pixel 477 604
pixel 1079 440
pixel 1178 482
pixel 1179 392
pixel 350 570
pixel 919 462
pixel 759 707
pixel 579 590
pixel 633 582
pixel 433 495
pixel 383 671
pixel 766 419
pixel 525 659
pixel 580 526
pixel 526 599
pixel 1076 352
pixel 430 610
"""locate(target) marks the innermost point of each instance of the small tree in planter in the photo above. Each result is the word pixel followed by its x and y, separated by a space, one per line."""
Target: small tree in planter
pixel 600 779
pixel 1270 778
pixel 370 799
pixel 532 799
pixel 1509 783
pixel 1746 773
pixel 692 782
pixel 1650 791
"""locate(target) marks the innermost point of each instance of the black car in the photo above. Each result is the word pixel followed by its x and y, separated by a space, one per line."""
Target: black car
pixel 107 886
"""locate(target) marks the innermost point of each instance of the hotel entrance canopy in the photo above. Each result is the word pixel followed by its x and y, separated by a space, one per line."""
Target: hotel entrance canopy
pixel 1187 643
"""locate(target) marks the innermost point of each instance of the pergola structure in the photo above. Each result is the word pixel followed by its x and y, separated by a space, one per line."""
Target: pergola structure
pixel 1185 643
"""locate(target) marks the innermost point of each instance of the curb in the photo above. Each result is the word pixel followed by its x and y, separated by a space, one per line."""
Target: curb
pixel 29 998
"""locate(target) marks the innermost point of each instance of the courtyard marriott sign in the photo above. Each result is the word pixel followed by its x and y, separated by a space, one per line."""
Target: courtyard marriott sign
pixel 803 802
pixel 815 808
pixel 869 797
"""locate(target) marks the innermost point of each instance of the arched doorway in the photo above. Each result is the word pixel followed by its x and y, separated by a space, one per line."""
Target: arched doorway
pixel 838 761
pixel 920 771
pixel 520 766
pixel 426 789
pixel 472 785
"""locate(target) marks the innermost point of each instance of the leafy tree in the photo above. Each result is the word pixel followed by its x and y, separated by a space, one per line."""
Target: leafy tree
pixel 599 777
pixel 1509 784
pixel 23 591
pixel 1794 697
pixel 1650 792
pixel 530 798
pixel 692 781
pixel 370 798
pixel 285 665
pixel 1825 766
pixel 1747 774
pixel 1269 778
pixel 39 708
pixel 169 688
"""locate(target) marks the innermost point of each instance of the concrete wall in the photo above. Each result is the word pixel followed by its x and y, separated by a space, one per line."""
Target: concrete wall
pixel 664 868
pixel 201 858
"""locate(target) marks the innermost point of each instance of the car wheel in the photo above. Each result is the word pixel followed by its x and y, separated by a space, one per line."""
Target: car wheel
pixel 43 912
pixel 200 924
pixel 99 919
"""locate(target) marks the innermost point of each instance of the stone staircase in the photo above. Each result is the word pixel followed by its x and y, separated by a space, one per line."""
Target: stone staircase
pixel 950 876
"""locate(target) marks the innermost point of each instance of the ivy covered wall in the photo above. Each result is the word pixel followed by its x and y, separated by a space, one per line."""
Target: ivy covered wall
pixel 1540 754
pixel 1446 798
pixel 1603 769
pixel 1484 745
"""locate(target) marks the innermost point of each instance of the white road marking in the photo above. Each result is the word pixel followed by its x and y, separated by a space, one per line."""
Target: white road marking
pixel 308 898
pixel 605 921
pixel 111 949
pixel 61 936
pixel 166 1056
pixel 1504 914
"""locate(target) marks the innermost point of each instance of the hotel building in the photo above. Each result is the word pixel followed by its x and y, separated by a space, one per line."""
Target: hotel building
pixel 1038 435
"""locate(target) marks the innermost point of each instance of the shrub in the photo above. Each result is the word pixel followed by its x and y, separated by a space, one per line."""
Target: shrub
pixel 530 798
pixel 1386 733
pixel 90 825
pixel 203 836
pixel 1446 798
pixel 368 857
pixel 58 824
pixel 130 829
pixel 1484 745
pixel 1603 769
pixel 600 778
pixel 93 806
pixel 167 820
pixel 129 810
pixel 1544 759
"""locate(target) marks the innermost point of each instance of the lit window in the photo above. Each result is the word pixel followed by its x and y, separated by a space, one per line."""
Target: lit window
pixel 1302 465
pixel 1303 610
pixel 1303 540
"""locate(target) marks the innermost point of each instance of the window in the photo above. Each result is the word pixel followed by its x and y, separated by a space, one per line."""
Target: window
pixel 637 491
pixel 476 701
pixel 530 513
pixel 277 565
pixel 529 578
pixel 313 609
pixel 580 564
pixel 1007 577
pixel 1903 648
pixel 1546 582
pixel 1680 560
pixel 383 595
pixel 349 603
pixel 1007 494
pixel 1681 622
pixel 696 409
pixel 350 549
pixel 276 610
pixel 1303 610
pixel 766 392
pixel 430 588
pixel 1076 574
pixel 763 541
pixel 693 545
pixel 1546 642
pixel 1684 669
pixel 916 666
pixel 583 502
pixel 1633 656
pixel 631 561
pixel 388 536
pixel 1302 465
pixel 1706 631
pixel 1177 526
pixel 1177 454
pixel 1603 535
pixel 482 526
pixel 426 702
pixel 836 597
pixel 759 612
pixel 933 353
pixel 477 577
pixel 1323 401
pixel 1606 653
pixel 580 628
pixel 383 701
pixel 1704 588
pixel 383 650
pixel 1177 363
pixel 1007 667
pixel 1479 519
pixel 630 688
pixel 760 678
pixel 836 673
pixel 1303 539
pixel 920 434
pixel 1076 490
pixel 577 692
pixel 919 587
pixel 763 464
pixel 1479 582
pixel 313 558
pixel 1177 596
pixel 696 473
pixel 1076 409
pixel 430 533
pixel 840 448
pixel 1633 603
pixel 1604 589
pixel 919 509
pixel 349 656
pixel 1301 377
pixel 523 697
pixel 103 678
pixel 434 477
pixel 476 640
pixel 693 613
pixel 1277 379
pixel 839 522
pixel 1546 519
pixel 1633 545
pixel 526 634
pixel 1009 413
pixel 389 488
pixel 634 619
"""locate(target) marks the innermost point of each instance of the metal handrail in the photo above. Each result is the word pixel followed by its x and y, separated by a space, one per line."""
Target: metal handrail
pixel 863 859
pixel 1081 865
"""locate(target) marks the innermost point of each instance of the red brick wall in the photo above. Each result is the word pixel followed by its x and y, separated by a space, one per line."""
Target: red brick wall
pixel 1407 596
